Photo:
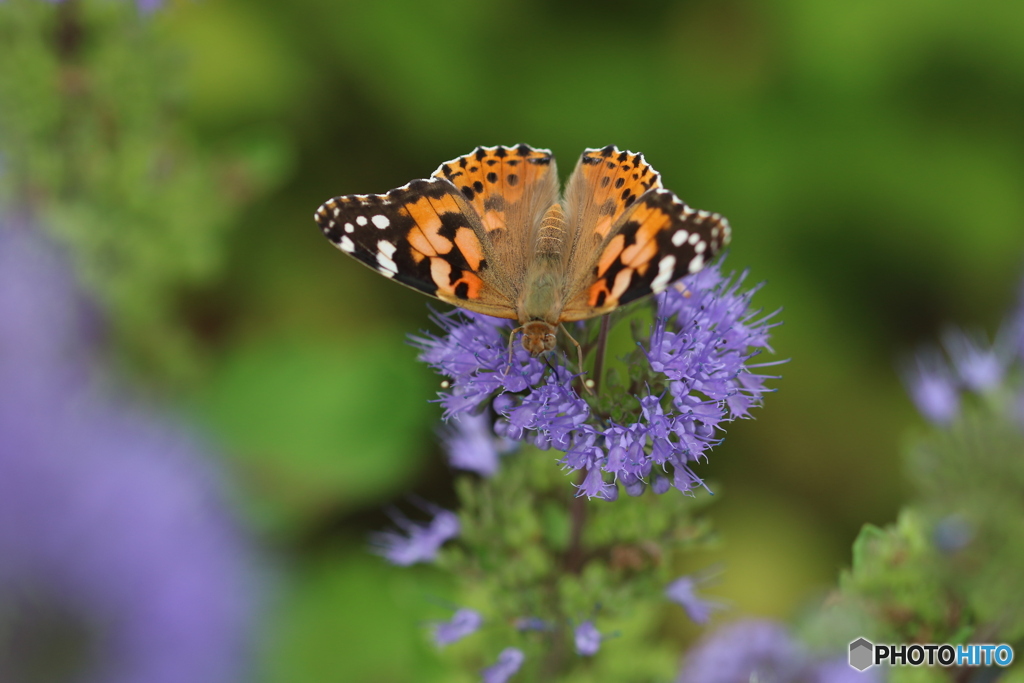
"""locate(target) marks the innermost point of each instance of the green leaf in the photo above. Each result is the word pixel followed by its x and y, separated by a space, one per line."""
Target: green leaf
pixel 316 427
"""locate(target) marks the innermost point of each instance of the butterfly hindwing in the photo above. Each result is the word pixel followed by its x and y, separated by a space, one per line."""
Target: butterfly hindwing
pixel 658 240
pixel 424 235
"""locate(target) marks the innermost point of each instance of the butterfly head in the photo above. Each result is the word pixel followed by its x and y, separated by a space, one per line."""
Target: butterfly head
pixel 539 336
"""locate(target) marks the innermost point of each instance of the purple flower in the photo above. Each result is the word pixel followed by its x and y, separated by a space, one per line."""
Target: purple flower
pixel 587 639
pixel 463 623
pixel 145 6
pixel 474 354
pixel 420 542
pixel 763 651
pixel 113 532
pixel 44 319
pixel 838 670
pixel 745 651
pixel 933 388
pixel 699 355
pixel 472 444
pixel 507 665
pixel 683 591
pixel 979 365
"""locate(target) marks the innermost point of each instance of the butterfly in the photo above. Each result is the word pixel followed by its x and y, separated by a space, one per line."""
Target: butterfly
pixel 490 232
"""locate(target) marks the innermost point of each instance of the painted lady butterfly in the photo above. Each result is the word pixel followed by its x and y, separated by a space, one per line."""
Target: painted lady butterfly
pixel 489 232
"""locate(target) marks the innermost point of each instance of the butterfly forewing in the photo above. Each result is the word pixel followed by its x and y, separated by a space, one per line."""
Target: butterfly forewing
pixel 510 188
pixel 423 235
pixel 484 232
pixel 604 184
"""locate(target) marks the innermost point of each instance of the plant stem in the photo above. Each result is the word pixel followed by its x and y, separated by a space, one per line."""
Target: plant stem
pixel 574 556
pixel 602 343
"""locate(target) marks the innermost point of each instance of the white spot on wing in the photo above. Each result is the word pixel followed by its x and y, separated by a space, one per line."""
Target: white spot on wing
pixel 349 227
pixel 694 238
pixel 700 247
pixel 386 265
pixel 346 245
pixel 679 237
pixel 361 220
pixel 697 263
pixel 385 250
pixel 665 268
pixel 381 221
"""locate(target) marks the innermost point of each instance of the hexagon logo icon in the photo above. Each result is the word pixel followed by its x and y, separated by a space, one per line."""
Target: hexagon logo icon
pixel 861 654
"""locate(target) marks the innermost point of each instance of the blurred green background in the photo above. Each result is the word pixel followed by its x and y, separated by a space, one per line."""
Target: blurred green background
pixel 869 155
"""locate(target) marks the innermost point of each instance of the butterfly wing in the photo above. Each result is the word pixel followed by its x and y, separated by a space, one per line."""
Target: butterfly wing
pixel 510 188
pixel 424 235
pixel 632 236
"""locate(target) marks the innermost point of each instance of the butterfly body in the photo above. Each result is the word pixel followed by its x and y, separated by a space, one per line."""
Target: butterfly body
pixel 489 232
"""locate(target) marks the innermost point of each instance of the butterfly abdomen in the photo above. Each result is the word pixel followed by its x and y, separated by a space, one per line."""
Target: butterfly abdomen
pixel 541 297
pixel 552 235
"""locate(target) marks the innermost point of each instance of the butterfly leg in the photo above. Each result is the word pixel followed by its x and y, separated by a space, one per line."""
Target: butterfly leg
pixel 511 339
pixel 579 353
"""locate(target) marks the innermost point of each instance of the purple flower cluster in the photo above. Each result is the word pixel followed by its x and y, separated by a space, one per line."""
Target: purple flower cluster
pixel 464 622
pixel 145 6
pixel 118 559
pixel 587 639
pixel 763 651
pixel 509 662
pixel 472 444
pixel 683 592
pixel 419 542
pixel 937 381
pixel 698 356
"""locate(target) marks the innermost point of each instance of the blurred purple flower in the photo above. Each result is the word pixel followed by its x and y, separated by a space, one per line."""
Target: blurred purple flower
pixel 980 366
pixel 420 542
pixel 683 591
pixel 145 6
pixel 587 639
pixel 744 651
pixel 838 670
pixel 463 623
pixel 472 444
pixel 932 388
pixel 44 319
pixel 763 651
pixel 508 664
pixel 118 560
pixel 701 346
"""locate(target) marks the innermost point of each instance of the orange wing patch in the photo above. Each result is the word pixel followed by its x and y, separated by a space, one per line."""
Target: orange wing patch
pixel 616 179
pixel 491 178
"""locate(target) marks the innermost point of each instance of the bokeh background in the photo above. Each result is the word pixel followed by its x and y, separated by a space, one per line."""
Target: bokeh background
pixel 869 156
